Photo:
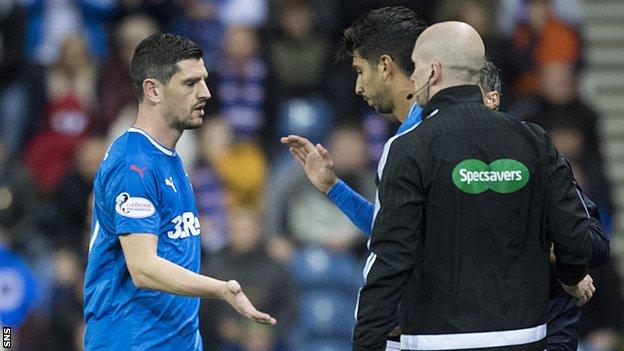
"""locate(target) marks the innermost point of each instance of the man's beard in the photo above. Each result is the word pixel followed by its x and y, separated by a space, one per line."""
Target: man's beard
pixel 187 124
pixel 383 108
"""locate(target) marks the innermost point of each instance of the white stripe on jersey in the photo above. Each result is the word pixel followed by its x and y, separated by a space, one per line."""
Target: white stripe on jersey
pixel 96 231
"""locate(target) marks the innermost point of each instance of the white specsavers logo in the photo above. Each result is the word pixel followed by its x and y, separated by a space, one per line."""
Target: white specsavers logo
pixel 133 207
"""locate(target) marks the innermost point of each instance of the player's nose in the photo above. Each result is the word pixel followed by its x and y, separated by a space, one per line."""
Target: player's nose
pixel 359 89
pixel 204 92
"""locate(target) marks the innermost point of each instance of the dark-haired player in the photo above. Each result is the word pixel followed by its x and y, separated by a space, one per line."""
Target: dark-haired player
pixel 142 288
pixel 380 44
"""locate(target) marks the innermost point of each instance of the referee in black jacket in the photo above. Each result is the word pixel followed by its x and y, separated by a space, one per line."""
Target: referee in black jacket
pixel 467 206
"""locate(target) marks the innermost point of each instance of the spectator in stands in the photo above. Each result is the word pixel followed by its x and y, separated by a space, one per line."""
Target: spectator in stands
pixel 209 186
pixel 299 55
pixel 20 210
pixel 354 9
pixel 160 11
pixel 201 21
pixel 50 22
pixel 72 195
pixel 13 90
pixel 269 284
pixel 18 199
pixel 573 125
pixel 247 13
pixel 310 218
pixel 228 156
pixel 378 130
pixel 542 39
pixel 240 90
pixel 71 91
pixel 115 87
pixel 510 12
pixel 66 316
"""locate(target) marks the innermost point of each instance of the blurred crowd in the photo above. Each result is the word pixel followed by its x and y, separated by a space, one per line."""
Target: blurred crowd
pixel 65 94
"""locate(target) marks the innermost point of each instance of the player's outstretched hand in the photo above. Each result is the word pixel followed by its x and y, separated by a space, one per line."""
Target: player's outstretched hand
pixel 234 295
pixel 583 291
pixel 315 161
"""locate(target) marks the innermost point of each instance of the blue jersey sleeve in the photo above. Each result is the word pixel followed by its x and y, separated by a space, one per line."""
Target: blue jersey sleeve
pixel 135 199
pixel 353 205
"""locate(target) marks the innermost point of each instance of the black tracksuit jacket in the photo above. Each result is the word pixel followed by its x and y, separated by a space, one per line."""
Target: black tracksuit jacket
pixel 467 206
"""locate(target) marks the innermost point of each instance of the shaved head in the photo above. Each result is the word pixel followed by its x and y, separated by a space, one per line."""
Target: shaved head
pixel 452 51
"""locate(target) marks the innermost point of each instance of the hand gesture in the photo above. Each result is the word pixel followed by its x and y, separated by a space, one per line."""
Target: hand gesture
pixel 234 295
pixel 315 161
pixel 583 291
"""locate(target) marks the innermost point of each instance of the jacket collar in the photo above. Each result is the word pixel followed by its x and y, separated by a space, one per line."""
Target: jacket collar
pixel 453 96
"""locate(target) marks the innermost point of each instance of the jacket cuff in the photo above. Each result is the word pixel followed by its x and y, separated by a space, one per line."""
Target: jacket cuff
pixel 570 275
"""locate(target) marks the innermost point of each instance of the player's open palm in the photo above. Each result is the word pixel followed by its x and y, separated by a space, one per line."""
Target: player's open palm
pixel 235 296
pixel 315 160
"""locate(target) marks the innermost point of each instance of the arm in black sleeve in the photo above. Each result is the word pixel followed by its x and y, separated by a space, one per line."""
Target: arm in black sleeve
pixel 396 229
pixel 567 221
pixel 600 243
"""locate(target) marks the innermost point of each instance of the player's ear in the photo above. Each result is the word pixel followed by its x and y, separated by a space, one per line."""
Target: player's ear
pixel 152 90
pixel 492 99
pixel 384 66
pixel 436 72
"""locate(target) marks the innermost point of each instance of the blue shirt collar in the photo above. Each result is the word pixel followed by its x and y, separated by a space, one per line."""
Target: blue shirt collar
pixel 414 117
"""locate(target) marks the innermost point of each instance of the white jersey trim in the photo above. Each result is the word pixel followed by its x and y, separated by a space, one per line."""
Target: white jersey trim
pixel 96 231
pixel 473 340
pixel 164 150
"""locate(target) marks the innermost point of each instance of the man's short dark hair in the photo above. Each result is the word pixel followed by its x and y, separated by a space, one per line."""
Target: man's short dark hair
pixel 157 57
pixel 490 77
pixel 389 30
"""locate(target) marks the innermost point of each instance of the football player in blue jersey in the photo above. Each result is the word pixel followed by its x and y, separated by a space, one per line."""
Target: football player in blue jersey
pixel 380 45
pixel 142 287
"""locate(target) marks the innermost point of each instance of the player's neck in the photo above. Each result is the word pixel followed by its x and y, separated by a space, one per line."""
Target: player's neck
pixel 403 105
pixel 154 124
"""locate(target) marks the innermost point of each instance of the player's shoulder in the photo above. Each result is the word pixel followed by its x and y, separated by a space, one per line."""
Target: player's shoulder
pixel 131 152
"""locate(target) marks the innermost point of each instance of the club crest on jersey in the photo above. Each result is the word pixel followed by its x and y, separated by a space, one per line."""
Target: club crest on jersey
pixel 133 207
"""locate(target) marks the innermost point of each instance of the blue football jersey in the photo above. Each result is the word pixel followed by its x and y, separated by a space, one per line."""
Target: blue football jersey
pixel 140 187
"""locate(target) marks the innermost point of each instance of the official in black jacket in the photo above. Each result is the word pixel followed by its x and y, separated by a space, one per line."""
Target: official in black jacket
pixel 467 206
